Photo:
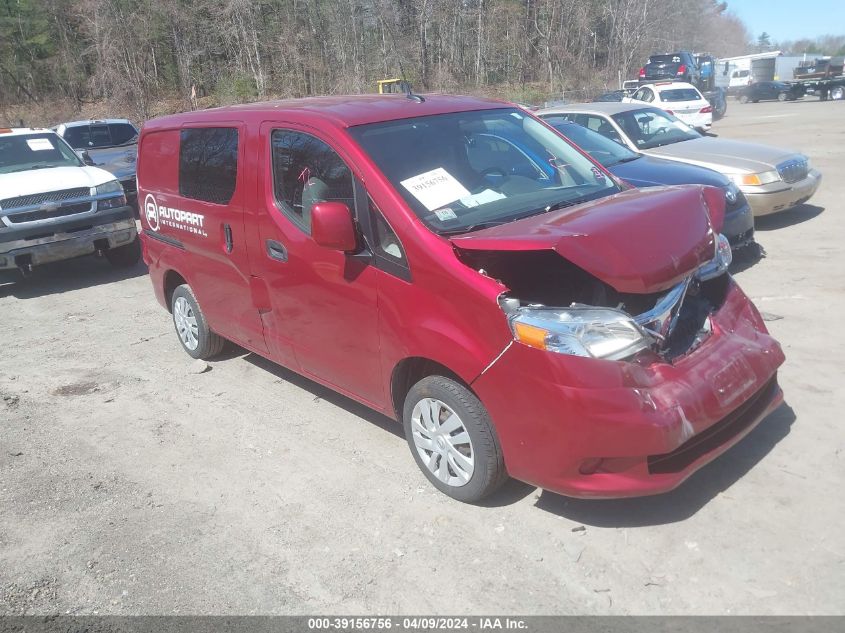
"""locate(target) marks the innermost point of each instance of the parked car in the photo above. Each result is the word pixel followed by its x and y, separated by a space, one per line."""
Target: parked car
pixel 53 207
pixel 612 96
pixel 111 144
pixel 770 90
pixel 679 66
pixel 559 329
pixel 772 179
pixel 641 171
pixel 678 98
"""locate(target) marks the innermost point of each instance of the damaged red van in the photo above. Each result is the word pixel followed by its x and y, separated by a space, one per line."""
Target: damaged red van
pixel 456 264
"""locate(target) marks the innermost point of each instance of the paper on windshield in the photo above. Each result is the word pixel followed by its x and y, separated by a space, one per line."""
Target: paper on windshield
pixel 475 199
pixel 435 188
pixel 39 144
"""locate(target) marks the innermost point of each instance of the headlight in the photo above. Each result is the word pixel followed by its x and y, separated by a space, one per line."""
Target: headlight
pixel 720 262
pixel 754 180
pixel 580 331
pixel 110 195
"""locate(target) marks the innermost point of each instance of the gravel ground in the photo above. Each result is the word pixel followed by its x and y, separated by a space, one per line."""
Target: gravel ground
pixel 129 485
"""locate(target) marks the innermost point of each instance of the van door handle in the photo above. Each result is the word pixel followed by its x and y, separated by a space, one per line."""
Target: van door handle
pixel 227 233
pixel 276 250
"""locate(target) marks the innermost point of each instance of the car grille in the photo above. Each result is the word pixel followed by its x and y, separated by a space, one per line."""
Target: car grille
pixel 42 214
pixel 40 198
pixel 793 170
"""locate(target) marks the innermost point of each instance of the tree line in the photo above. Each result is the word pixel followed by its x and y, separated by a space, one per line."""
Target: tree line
pixel 134 53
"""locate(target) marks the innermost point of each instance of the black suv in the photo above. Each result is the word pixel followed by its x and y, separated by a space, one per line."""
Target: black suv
pixel 679 66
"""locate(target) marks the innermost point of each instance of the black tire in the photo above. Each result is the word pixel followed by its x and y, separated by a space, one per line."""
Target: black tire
pixel 755 101
pixel 782 96
pixel 209 344
pixel 488 463
pixel 742 98
pixel 125 256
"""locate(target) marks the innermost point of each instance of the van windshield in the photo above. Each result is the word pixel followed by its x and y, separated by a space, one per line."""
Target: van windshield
pixel 35 151
pixel 470 170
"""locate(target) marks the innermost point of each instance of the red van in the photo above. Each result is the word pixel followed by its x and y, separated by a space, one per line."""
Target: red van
pixel 456 264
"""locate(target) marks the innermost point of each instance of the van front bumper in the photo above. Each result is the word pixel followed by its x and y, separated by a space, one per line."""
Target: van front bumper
pixel 33 246
pixel 593 428
pixel 780 196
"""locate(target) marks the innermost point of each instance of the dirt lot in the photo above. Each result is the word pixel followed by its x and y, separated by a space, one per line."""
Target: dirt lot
pixel 130 486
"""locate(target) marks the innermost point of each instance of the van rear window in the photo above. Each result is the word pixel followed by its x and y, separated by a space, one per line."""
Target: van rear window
pixel 208 164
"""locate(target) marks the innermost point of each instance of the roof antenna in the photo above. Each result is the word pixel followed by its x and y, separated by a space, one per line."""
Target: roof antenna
pixel 406 85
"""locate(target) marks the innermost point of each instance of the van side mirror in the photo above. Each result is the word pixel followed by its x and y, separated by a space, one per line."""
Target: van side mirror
pixel 332 226
pixel 85 157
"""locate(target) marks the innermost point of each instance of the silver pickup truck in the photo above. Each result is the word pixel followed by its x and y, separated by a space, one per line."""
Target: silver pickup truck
pixel 54 207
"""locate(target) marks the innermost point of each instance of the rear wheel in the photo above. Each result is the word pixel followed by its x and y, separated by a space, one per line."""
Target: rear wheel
pixel 196 337
pixel 743 98
pixel 782 96
pixel 125 256
pixel 452 439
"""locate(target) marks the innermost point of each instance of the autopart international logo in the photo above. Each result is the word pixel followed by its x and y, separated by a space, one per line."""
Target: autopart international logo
pixel 160 215
pixel 151 211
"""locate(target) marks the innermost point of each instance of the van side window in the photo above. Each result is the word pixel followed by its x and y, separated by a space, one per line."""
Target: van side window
pixel 208 163
pixel 387 242
pixel 306 171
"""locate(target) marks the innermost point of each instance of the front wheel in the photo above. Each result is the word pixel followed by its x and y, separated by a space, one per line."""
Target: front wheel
pixel 743 98
pixel 837 93
pixel 453 440
pixel 196 337
pixel 782 96
pixel 125 256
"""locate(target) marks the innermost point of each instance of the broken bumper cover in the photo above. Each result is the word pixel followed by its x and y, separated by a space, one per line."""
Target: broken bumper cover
pixel 780 196
pixel 34 246
pixel 592 428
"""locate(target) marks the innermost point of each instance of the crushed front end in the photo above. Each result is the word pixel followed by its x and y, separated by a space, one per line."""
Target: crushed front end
pixel 612 393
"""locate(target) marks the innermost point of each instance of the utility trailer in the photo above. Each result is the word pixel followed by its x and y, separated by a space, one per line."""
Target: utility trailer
pixel 830 88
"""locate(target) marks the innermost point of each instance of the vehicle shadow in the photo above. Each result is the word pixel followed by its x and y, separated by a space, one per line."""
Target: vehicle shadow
pixel 790 217
pixel 746 257
pixel 72 274
pixel 686 500
pixel 318 391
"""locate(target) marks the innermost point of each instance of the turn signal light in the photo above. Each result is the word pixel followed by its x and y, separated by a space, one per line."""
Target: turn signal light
pixel 682 69
pixel 751 179
pixel 642 72
pixel 530 335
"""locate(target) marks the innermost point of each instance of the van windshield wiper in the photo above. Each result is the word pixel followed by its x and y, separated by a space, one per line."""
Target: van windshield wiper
pixel 476 227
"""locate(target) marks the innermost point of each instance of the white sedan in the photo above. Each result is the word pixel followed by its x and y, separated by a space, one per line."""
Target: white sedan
pixel 678 98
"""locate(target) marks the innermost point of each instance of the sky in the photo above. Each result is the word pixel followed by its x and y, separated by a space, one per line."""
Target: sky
pixel 784 20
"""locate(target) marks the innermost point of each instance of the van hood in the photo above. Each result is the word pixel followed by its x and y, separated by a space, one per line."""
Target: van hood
pixel 24 183
pixel 635 241
pixel 727 157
